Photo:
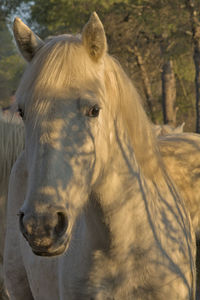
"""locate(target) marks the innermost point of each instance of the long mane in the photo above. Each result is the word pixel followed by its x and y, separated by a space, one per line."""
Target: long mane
pixel 125 96
pixel 64 60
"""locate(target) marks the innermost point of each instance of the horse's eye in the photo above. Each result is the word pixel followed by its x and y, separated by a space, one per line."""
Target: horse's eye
pixel 93 111
pixel 21 112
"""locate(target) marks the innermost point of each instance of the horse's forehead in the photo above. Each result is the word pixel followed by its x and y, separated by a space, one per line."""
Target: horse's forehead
pixel 68 57
pixel 59 68
pixel 67 76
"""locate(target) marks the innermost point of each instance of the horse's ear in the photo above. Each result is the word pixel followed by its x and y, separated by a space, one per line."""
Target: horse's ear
pixel 94 38
pixel 27 42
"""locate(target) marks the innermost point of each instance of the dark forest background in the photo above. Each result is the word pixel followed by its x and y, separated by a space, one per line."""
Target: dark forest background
pixel 156 41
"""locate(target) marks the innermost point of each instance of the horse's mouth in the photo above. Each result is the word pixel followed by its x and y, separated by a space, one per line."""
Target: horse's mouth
pixel 49 253
pixel 52 251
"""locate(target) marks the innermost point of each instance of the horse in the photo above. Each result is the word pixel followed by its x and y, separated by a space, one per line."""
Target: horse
pixel 180 153
pixel 99 217
pixel 11 144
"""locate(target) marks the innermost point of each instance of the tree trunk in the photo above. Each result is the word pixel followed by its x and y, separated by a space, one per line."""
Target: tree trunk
pixel 169 94
pixel 145 79
pixel 197 87
pixel 195 26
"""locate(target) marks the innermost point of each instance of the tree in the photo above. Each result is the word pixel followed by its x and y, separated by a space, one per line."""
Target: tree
pixel 169 94
pixel 156 33
pixel 194 10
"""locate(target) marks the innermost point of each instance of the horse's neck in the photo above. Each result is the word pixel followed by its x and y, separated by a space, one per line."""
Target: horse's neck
pixel 133 207
pixel 121 197
pixel 98 235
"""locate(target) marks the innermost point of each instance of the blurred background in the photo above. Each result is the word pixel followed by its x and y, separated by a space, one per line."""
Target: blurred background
pixel 156 41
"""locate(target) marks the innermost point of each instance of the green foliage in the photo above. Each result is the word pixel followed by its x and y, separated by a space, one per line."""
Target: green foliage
pixel 58 16
pixel 11 65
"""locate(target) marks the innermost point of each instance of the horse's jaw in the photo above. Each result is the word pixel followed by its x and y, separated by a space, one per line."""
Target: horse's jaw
pixel 52 251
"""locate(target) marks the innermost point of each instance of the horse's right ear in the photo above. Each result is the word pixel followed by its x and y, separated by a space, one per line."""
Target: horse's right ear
pixel 94 38
pixel 27 42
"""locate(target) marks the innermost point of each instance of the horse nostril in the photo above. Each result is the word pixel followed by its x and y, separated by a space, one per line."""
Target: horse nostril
pixel 61 224
pixel 21 224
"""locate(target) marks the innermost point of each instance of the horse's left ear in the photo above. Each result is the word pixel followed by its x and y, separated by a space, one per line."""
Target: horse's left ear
pixel 94 38
pixel 27 41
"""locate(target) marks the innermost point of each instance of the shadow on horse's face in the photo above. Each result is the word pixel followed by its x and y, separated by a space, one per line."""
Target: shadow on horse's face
pixel 61 163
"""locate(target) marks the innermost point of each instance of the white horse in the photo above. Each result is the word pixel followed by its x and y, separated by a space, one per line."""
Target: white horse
pixel 11 144
pixel 91 189
pixel 181 157
pixel 180 153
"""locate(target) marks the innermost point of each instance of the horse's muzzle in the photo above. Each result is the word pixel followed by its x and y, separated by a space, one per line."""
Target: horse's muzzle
pixel 45 233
